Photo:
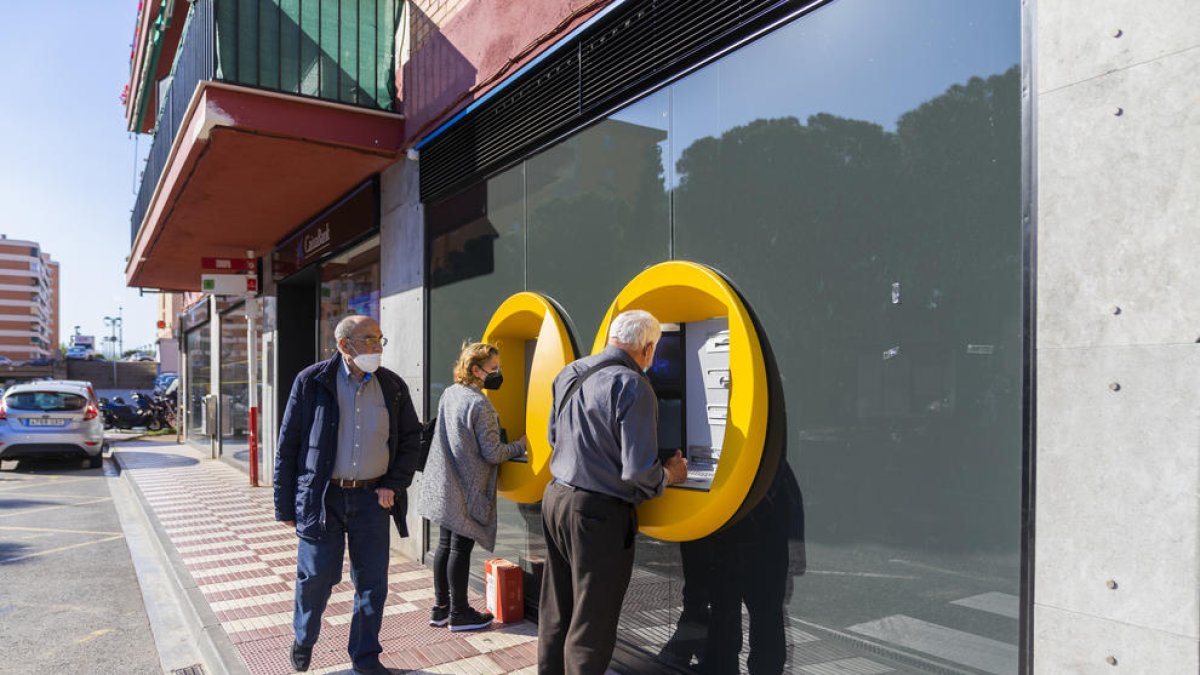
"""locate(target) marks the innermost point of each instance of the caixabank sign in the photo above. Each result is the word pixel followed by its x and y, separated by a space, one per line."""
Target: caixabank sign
pixel 709 374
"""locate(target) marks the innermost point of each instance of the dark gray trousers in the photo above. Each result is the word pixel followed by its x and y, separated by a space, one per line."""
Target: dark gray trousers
pixel 589 559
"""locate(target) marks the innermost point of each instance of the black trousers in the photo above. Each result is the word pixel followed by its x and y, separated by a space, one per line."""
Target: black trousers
pixel 589 559
pixel 451 567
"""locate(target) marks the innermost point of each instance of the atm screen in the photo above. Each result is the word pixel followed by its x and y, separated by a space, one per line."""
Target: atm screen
pixel 670 427
pixel 666 373
pixel 666 376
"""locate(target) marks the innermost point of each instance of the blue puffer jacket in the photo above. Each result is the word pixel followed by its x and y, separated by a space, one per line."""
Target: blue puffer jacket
pixel 308 443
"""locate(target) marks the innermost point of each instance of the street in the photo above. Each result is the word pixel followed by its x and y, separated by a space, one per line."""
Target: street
pixel 69 599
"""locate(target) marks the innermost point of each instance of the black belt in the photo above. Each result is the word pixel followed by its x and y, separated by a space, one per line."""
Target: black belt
pixel 591 492
pixel 354 483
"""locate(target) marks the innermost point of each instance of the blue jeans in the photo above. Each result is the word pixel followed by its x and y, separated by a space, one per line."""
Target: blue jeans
pixel 354 515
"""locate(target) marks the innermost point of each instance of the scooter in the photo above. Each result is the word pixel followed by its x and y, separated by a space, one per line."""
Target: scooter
pixel 120 415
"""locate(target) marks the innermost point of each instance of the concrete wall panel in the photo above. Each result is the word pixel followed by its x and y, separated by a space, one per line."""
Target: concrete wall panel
pixel 1118 500
pixel 1079 39
pixel 1118 195
pixel 1071 643
pixel 401 311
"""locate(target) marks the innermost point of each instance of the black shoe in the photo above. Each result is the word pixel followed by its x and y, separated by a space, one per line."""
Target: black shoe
pixel 375 669
pixel 301 656
pixel 469 619
pixel 439 616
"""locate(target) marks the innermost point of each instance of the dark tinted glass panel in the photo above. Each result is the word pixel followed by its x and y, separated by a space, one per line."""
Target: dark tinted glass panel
pixel 476 260
pixel 865 199
pixel 855 174
pixel 599 212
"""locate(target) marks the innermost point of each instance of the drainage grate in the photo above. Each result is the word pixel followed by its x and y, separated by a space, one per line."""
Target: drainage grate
pixel 197 669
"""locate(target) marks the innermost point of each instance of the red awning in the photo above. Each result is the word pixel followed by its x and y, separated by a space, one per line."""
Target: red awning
pixel 247 168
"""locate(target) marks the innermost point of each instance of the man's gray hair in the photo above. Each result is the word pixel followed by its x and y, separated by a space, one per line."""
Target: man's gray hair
pixel 345 327
pixel 635 328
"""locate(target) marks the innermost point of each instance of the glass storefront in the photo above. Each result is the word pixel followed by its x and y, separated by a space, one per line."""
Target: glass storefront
pixel 855 175
pixel 199 378
pixel 349 285
pixel 235 383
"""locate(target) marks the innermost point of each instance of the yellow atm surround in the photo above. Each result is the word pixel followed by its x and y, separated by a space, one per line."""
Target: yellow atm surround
pixel 524 407
pixel 682 292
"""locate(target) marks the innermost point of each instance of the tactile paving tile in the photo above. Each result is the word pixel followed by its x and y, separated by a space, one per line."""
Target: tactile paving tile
pixel 243 562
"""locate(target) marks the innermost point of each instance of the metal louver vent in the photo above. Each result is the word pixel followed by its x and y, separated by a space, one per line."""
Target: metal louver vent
pixel 640 45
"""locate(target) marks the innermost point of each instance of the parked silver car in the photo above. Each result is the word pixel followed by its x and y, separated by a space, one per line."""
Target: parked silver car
pixel 51 418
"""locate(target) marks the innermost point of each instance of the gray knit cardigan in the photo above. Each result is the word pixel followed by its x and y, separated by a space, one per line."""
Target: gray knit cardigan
pixel 458 489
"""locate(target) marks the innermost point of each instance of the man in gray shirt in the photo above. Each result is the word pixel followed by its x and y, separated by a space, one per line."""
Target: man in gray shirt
pixel 604 431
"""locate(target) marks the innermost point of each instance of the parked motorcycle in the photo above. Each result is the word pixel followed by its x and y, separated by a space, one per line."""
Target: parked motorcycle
pixel 120 415
pixel 156 409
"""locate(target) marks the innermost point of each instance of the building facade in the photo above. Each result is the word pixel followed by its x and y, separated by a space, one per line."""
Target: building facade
pixel 168 307
pixel 29 327
pixel 930 260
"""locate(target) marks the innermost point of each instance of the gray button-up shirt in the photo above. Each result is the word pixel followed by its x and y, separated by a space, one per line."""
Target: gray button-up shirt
pixel 605 438
pixel 362 448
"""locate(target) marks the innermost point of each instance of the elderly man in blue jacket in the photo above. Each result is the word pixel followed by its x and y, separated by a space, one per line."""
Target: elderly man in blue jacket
pixel 348 447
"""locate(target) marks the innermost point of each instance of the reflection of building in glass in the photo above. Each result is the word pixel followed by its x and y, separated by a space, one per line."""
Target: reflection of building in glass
pixel 870 269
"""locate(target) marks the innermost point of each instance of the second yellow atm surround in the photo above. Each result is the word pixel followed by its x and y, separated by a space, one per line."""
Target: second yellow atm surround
pixel 674 292
pixel 520 318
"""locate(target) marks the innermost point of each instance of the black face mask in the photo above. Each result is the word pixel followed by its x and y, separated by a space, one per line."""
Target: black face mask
pixel 493 380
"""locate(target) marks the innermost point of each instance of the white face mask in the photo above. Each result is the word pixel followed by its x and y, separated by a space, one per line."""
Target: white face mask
pixel 368 363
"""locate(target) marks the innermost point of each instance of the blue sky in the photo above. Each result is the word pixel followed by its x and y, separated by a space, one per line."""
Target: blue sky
pixel 68 164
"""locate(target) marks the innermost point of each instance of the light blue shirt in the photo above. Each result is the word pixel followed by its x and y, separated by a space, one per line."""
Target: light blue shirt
pixel 362 448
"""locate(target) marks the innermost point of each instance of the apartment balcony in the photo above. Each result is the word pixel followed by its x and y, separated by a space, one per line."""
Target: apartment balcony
pixel 272 110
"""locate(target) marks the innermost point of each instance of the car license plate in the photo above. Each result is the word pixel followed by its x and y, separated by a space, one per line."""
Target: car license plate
pixel 46 422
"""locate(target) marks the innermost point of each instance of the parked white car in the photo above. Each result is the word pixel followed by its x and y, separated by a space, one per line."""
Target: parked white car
pixel 51 418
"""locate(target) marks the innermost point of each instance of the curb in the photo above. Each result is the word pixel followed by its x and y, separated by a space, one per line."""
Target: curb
pixel 217 652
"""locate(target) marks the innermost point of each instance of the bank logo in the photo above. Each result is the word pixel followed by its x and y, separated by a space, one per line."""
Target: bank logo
pixel 317 240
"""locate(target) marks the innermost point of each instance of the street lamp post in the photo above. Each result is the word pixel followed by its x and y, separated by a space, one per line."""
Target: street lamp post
pixel 114 324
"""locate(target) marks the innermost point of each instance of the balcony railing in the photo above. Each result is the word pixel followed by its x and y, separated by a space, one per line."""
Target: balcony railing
pixel 334 50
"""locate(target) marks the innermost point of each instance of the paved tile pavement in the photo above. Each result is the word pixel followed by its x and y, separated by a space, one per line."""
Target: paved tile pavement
pixel 244 564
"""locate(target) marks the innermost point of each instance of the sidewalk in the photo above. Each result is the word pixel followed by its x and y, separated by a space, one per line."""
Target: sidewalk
pixel 244 565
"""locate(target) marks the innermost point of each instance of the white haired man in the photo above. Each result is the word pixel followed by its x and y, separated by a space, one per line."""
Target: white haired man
pixel 348 447
pixel 604 431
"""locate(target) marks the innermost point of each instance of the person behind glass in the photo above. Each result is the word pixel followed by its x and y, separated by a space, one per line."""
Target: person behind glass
pixel 348 447
pixel 603 428
pixel 458 490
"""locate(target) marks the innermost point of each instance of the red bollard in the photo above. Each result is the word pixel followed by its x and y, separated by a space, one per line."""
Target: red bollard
pixel 254 447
